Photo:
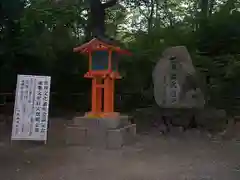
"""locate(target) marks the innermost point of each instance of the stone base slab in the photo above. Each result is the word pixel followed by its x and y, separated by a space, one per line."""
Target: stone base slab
pixel 108 123
pixel 116 138
pixel 100 132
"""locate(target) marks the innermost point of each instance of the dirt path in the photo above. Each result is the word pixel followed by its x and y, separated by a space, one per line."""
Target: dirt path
pixel 188 157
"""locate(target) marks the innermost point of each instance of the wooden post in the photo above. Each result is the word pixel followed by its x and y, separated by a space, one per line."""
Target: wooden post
pixel 90 60
pixel 109 60
pixel 94 95
pixel 99 95
pixel 112 95
pixel 106 95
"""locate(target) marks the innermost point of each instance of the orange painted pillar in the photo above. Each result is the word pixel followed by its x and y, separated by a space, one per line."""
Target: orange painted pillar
pixel 99 95
pixel 111 95
pixel 108 95
pixel 94 95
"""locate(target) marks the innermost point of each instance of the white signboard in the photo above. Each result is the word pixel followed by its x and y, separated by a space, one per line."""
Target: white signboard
pixel 30 118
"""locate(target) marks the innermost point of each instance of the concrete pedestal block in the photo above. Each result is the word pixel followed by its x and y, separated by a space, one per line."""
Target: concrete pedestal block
pixel 76 135
pixel 86 122
pixel 129 134
pixel 124 120
pixel 96 136
pixel 101 132
pixel 116 138
pixel 109 123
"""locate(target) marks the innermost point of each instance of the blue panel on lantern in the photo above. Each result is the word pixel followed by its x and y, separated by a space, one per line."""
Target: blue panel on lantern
pixel 115 60
pixel 100 60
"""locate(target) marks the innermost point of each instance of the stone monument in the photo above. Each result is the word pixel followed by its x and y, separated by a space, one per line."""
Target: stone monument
pixel 176 83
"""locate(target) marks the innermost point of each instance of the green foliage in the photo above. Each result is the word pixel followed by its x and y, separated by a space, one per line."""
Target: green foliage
pixel 37 37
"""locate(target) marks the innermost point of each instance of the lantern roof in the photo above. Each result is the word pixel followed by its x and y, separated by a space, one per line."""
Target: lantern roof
pixel 97 45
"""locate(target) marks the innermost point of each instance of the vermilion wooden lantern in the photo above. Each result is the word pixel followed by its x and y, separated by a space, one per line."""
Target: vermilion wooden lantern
pixel 103 70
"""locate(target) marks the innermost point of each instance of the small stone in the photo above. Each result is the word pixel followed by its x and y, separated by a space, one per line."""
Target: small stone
pixel 237 168
pixel 28 162
pixel 61 178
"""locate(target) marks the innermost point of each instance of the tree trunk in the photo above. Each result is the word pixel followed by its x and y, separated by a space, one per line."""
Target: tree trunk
pixel 150 18
pixel 168 14
pixel 204 6
pixel 211 6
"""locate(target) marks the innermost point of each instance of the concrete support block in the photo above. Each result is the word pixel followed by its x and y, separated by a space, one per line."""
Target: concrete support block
pixel 116 138
pixel 96 141
pixel 95 130
pixel 97 136
pixel 109 123
pixel 85 121
pixel 124 120
pixel 129 134
pixel 101 132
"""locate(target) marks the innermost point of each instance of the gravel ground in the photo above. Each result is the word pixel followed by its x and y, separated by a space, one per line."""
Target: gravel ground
pixel 185 156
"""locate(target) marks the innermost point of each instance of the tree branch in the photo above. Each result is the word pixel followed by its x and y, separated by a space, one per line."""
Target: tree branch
pixel 109 4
